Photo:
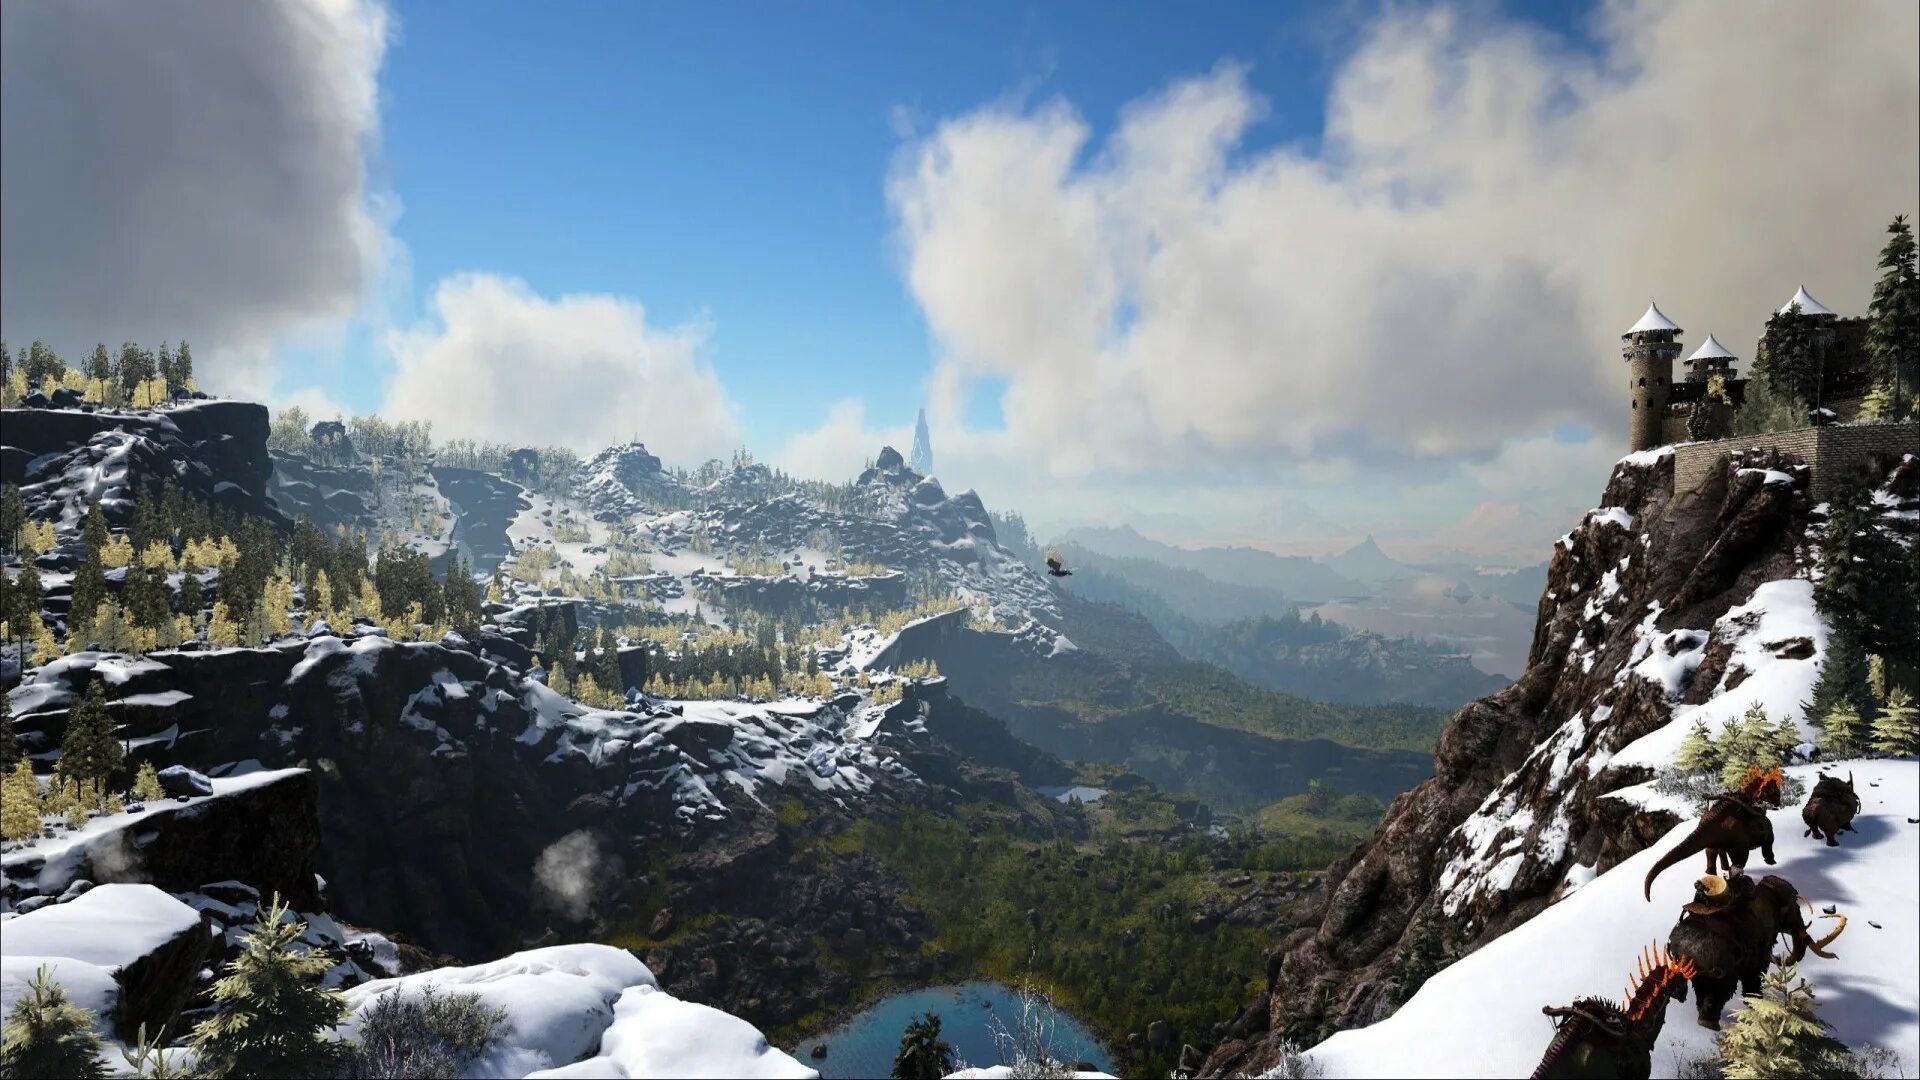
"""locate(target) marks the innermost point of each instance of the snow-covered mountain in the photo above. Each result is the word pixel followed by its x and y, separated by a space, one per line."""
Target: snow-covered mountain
pixel 1660 609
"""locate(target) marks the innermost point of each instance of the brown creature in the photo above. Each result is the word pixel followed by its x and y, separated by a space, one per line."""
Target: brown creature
pixel 1732 827
pixel 1598 1039
pixel 1727 933
pixel 1830 809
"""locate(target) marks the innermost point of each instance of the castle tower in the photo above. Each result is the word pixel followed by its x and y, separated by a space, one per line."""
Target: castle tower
pixel 1709 359
pixel 1651 345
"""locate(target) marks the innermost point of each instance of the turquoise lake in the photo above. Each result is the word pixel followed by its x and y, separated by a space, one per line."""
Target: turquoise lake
pixel 865 1045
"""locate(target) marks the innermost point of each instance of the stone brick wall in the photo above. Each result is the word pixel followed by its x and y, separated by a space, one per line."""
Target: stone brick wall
pixel 1828 451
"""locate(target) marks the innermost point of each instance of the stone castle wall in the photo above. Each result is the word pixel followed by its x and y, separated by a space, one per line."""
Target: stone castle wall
pixel 1830 452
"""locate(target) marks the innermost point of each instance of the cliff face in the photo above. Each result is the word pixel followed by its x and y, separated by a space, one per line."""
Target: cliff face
pixel 1650 605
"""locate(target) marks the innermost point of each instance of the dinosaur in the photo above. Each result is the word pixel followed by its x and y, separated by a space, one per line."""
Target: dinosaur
pixel 1733 825
pixel 1596 1038
pixel 1831 808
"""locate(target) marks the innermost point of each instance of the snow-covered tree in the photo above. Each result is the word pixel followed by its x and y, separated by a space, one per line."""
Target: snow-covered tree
pixel 1896 731
pixel 923 1054
pixel 1697 753
pixel 1778 1033
pixel 272 1018
pixel 46 1035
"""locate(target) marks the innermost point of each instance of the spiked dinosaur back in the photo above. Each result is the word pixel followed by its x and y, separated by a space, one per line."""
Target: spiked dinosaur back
pixel 1592 1018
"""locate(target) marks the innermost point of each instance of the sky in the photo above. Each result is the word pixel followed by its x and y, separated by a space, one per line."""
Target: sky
pixel 1279 275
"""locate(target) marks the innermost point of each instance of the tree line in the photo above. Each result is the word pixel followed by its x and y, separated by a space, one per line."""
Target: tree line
pixel 133 376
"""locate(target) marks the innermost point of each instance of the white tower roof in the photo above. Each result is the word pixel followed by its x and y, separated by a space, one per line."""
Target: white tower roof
pixel 1808 305
pixel 1652 320
pixel 1712 350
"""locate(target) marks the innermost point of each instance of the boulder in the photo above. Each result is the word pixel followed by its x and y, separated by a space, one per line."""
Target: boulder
pixel 183 783
pixel 150 944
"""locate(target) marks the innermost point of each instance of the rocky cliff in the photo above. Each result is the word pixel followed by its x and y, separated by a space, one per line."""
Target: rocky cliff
pixel 1655 601
pixel 65 458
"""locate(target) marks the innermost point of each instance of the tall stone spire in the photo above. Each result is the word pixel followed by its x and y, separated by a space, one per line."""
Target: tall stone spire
pixel 922 459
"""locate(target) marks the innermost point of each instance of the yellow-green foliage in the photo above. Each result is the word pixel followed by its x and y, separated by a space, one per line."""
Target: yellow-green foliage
pixel 626 562
pixel 893 622
pixel 567 530
pixel 146 784
pixel 158 555
pixel 919 669
pixel 756 566
pixel 118 552
pixel 37 538
pixel 20 803
pixel 531 565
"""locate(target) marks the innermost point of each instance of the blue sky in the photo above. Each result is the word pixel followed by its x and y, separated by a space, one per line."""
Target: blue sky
pixel 726 163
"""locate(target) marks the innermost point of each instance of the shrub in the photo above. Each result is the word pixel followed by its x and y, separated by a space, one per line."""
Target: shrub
pixel 274 1019
pixel 425 1036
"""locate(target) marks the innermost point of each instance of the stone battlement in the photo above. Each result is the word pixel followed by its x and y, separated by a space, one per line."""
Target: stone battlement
pixel 1830 451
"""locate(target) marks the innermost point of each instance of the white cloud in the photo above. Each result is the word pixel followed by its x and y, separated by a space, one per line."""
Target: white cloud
pixel 175 168
pixel 1452 268
pixel 496 361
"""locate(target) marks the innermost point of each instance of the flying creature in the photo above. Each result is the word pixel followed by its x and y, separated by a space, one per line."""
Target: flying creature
pixel 1055 567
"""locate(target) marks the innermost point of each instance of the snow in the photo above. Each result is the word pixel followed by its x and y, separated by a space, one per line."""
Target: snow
pixel 1644 458
pixel 1711 349
pixel 1653 320
pixel 1005 1072
pixel 1481 1017
pixel 592 1010
pixel 1611 515
pixel 1808 305
pixel 1780 611
pixel 656 1034
pixel 108 926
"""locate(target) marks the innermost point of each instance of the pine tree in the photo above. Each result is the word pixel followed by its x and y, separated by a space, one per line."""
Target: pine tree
pixel 149 601
pixel 20 803
pixel 273 1017
pixel 1845 675
pixel 192 595
pixel 146 784
pixel 1893 326
pixel 1863 591
pixel 182 378
pixel 1743 743
pixel 89 750
pixel 1697 753
pixel 1896 732
pixel 1783 736
pixel 1778 1033
pixel 9 740
pixel 89 592
pixel 1787 358
pixel 1841 732
pixel 923 1054
pixel 49 1036
pixel 13 517
pixel 93 528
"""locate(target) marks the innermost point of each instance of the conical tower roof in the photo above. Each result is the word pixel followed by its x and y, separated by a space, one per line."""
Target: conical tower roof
pixel 1808 305
pixel 1652 320
pixel 1711 349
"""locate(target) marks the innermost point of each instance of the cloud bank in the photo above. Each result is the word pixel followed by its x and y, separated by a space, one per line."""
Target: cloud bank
pixel 1450 268
pixel 497 361
pixel 176 168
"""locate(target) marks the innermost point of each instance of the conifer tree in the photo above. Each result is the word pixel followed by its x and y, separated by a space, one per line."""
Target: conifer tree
pixel 1841 732
pixel 182 377
pixel 1778 1033
pixel 89 751
pixel 1893 326
pixel 1896 732
pixel 923 1054
pixel 93 528
pixel 149 601
pixel 273 1017
pixel 89 592
pixel 192 595
pixel 146 784
pixel 20 803
pixel 1697 753
pixel 1744 742
pixel 48 1036
pixel 13 517
pixel 9 740
pixel 1787 359
pixel 1863 592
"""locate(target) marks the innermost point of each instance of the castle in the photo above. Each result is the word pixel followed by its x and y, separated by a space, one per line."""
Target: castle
pixel 1664 411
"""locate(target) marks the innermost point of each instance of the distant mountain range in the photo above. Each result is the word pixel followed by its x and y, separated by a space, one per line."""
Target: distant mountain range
pixel 1302 579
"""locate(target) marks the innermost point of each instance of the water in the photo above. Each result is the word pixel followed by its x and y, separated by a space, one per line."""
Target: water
pixel 1084 794
pixel 865 1045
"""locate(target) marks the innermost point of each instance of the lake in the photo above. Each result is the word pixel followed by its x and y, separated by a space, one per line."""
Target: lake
pixel 1062 794
pixel 865 1045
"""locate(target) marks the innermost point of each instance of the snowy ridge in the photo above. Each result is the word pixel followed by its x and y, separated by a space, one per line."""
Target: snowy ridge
pixel 1480 1017
pixel 592 1011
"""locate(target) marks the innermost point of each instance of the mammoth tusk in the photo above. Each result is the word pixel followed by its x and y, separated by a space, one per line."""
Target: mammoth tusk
pixel 1820 947
pixel 1805 903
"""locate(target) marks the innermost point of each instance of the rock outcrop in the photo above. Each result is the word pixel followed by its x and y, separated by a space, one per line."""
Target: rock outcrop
pixel 65 458
pixel 1652 602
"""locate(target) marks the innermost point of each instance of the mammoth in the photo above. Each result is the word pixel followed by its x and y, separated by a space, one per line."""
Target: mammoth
pixel 1732 827
pixel 1831 808
pixel 1727 933
pixel 1596 1038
